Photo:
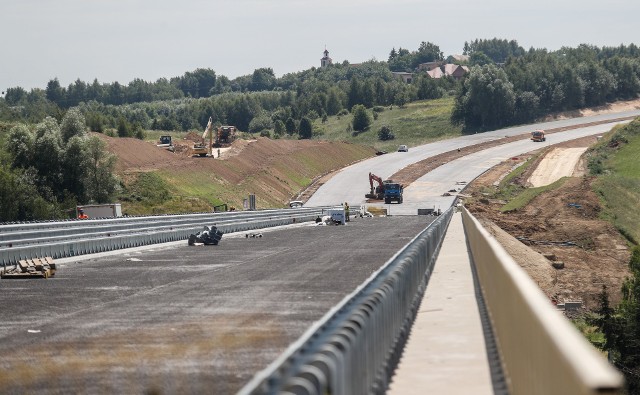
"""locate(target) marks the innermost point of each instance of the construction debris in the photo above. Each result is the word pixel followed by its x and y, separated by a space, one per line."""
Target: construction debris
pixel 31 268
pixel 208 236
pixel 252 235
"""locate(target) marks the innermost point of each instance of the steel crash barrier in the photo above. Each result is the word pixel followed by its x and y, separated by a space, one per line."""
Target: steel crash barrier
pixel 356 346
pixel 73 228
pixel 541 352
pixel 80 244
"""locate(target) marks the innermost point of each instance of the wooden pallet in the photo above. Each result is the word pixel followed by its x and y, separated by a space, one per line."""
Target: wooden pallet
pixel 31 268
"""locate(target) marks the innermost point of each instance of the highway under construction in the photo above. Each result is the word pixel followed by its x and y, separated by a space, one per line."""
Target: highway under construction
pixel 174 318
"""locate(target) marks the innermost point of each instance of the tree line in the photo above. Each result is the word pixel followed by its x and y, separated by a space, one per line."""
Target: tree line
pixel 48 168
pixel 539 82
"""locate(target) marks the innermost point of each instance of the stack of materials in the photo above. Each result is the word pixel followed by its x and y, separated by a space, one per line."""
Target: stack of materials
pixel 31 268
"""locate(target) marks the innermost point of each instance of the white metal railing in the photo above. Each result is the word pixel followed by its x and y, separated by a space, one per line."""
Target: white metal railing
pixel 355 347
pixel 542 353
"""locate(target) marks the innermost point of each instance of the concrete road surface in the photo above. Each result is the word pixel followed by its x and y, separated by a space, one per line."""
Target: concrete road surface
pixel 352 183
pixel 178 319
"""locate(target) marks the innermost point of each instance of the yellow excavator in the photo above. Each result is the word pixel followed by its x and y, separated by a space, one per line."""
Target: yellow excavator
pixel 202 148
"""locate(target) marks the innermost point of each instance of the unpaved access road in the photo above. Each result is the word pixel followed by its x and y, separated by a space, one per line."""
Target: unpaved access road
pixel 176 319
pixel 558 163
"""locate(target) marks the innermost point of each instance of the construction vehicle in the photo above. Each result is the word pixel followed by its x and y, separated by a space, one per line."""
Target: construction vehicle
pixel 387 190
pixel 225 136
pixel 202 148
pixel 31 268
pixel 165 142
pixel 538 136
pixel 392 191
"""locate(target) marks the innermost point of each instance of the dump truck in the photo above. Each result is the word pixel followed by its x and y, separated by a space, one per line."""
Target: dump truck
pixel 538 136
pixel 388 190
pixel 392 192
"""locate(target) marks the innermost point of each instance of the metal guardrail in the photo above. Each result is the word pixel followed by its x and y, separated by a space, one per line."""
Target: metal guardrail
pixel 12 232
pixel 542 353
pixel 73 238
pixel 356 346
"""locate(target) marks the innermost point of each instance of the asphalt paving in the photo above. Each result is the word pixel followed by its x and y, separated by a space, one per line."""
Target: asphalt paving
pixel 174 318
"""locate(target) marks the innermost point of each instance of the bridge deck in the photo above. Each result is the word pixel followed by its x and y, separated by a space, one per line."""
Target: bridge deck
pixel 446 352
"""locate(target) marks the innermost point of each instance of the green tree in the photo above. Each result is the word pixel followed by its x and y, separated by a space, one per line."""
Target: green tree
pixel 487 99
pixel 279 128
pixel 361 118
pixel 306 128
pixel 101 183
pixel 73 124
pixel 20 143
pixel 290 125
pixel 74 164
pixel 263 79
pixel 55 92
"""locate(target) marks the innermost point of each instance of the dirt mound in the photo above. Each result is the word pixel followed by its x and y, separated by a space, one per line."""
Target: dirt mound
pixel 275 170
pixel 560 227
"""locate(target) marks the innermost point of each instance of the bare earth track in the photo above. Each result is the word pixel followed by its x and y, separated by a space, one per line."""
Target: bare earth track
pixel 562 225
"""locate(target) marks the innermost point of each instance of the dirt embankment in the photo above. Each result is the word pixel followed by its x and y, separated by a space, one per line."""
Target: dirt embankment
pixel 275 170
pixel 558 238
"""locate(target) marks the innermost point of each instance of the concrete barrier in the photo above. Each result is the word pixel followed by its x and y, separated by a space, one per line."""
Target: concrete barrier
pixel 542 353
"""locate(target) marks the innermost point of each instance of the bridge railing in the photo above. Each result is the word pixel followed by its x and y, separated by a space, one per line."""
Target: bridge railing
pixel 356 346
pixel 541 352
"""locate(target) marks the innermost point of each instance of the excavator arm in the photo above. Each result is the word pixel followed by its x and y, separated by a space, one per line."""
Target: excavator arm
pixel 375 192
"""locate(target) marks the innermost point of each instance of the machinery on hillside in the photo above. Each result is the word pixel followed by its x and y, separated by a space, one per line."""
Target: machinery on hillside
pixel 538 136
pixel 166 143
pixel 387 190
pixel 224 136
pixel 202 148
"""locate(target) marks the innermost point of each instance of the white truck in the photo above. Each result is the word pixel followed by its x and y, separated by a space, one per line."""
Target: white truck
pixel 110 210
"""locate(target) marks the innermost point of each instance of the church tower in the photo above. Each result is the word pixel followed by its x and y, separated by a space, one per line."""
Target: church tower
pixel 326 60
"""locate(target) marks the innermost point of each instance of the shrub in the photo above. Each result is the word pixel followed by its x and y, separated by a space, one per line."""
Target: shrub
pixel 385 134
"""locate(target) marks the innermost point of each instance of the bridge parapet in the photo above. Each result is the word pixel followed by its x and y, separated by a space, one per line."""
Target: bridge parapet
pixel 542 353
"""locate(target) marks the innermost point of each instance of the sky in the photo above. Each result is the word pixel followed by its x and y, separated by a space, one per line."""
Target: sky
pixel 121 40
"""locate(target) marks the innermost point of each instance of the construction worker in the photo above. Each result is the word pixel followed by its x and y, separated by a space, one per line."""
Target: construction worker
pixel 82 215
pixel 346 211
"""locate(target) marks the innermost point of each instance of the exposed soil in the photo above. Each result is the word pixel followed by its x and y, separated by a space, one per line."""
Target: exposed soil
pixel 272 169
pixel 559 228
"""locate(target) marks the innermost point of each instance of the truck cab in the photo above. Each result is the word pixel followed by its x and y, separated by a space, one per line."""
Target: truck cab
pixel 392 192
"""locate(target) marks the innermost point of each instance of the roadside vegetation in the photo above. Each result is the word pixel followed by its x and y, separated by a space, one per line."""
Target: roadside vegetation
pixel 614 162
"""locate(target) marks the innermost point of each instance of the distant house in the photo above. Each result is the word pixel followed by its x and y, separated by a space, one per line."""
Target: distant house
pixel 448 70
pixel 457 58
pixel 436 73
pixel 406 77
pixel 429 66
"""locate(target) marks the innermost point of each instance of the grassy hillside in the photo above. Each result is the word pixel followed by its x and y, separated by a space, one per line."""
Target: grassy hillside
pixel 616 161
pixel 414 124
